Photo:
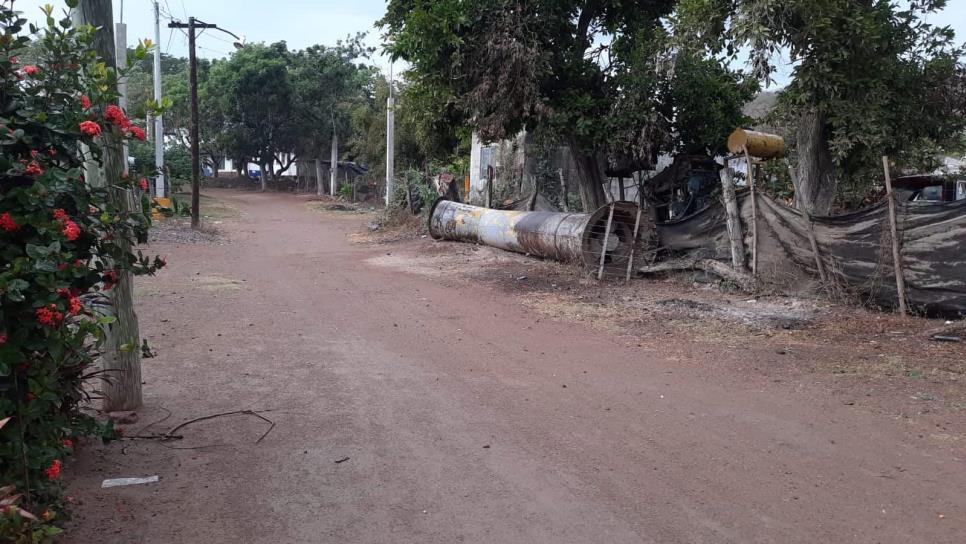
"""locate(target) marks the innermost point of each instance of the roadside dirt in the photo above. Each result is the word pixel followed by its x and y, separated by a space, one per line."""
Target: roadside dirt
pixel 890 361
pixel 425 391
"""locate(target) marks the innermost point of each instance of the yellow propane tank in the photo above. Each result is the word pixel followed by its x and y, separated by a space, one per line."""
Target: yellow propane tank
pixel 759 144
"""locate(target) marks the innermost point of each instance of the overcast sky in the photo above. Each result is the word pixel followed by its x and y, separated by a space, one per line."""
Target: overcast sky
pixel 300 23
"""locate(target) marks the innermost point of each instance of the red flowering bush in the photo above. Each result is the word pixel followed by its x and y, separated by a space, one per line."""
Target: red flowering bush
pixel 57 234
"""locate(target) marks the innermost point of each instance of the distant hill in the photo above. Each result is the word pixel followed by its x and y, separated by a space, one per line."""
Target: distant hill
pixel 761 105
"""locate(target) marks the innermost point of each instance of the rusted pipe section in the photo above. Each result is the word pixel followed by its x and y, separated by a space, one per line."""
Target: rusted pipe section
pixel 566 237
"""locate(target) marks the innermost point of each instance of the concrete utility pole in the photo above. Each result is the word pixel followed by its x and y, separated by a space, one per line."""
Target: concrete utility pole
pixel 120 47
pixel 122 357
pixel 390 139
pixel 158 121
pixel 334 158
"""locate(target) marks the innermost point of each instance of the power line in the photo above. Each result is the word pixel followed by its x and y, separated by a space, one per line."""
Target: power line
pixel 213 50
pixel 168 48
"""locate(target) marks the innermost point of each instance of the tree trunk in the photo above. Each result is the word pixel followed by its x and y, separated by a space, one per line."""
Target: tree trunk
pixel 121 361
pixel 264 176
pixel 816 171
pixel 590 179
pixel 319 184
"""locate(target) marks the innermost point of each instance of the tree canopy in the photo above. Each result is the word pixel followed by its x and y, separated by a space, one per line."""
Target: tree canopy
pixel 598 73
pixel 869 78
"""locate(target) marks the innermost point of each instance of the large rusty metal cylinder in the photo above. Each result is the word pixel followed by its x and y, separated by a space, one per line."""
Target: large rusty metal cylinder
pixel 566 237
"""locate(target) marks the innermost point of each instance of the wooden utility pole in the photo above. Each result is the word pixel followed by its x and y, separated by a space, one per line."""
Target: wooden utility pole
pixel 121 361
pixel 894 229
pixel 191 25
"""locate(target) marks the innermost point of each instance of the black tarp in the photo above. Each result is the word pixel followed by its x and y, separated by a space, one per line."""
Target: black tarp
pixel 855 248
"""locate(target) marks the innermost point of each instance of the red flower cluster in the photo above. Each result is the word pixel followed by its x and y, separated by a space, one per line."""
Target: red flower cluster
pixel 34 169
pixel 7 223
pixel 48 315
pixel 115 115
pixel 3 339
pixel 85 102
pixel 143 184
pixel 53 471
pixel 71 230
pixel 31 70
pixel 75 305
pixel 137 132
pixel 68 442
pixel 90 128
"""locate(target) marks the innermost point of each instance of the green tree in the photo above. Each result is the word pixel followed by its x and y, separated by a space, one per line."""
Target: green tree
pixel 504 66
pixel 421 137
pixel 328 85
pixel 601 75
pixel 253 91
pixel 869 78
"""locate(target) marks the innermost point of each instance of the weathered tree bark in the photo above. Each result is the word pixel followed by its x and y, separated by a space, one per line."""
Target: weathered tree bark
pixel 735 235
pixel 121 360
pixel 816 171
pixel 266 171
pixel 590 181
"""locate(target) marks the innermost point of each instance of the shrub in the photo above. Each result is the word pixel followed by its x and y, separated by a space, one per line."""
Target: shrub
pixel 63 244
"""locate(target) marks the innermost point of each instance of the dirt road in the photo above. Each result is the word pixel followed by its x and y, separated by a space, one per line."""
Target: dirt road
pixel 408 408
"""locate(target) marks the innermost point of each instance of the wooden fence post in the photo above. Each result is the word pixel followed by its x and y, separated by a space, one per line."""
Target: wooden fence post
pixel 563 190
pixel 735 236
pixel 894 229
pixel 489 186
pixel 603 249
pixel 637 229
pixel 754 215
